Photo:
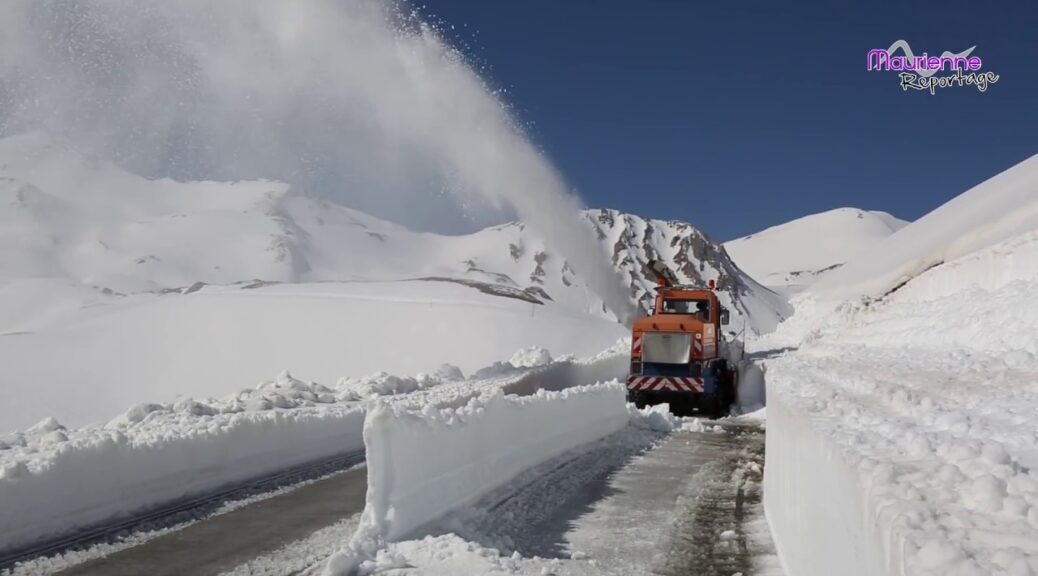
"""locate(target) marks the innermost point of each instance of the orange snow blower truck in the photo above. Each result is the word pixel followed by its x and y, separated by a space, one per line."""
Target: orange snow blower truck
pixel 678 354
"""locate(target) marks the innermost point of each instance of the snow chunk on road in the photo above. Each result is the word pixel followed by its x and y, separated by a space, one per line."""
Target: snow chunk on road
pixel 382 384
pixel 449 372
pixel 530 357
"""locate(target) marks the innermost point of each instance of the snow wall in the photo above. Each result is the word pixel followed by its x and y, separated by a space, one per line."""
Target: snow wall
pixel 119 473
pixel 833 509
pixel 423 464
pixel 813 501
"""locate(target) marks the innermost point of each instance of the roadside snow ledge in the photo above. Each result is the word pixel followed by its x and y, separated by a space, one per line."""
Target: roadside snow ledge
pixel 812 499
pixel 423 464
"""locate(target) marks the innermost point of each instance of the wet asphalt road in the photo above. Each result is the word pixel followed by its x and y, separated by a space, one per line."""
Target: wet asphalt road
pixel 710 537
pixel 690 506
pixel 223 542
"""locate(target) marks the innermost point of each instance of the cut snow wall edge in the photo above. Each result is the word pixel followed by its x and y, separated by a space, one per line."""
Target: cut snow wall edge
pixel 425 464
pixel 819 505
pixel 814 502
pixel 118 477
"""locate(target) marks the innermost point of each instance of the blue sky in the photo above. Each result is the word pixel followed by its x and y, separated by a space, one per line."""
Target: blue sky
pixel 738 116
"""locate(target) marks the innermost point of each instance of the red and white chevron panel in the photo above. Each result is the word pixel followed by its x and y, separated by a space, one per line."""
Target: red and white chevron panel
pixel 672 383
pixel 636 346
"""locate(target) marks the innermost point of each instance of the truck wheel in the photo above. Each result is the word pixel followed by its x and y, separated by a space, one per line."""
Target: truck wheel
pixel 639 398
pixel 730 396
pixel 714 405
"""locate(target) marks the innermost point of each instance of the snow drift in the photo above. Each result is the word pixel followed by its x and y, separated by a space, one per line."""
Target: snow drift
pixel 55 481
pixel 219 339
pixel 901 434
pixel 423 464
pixel 995 210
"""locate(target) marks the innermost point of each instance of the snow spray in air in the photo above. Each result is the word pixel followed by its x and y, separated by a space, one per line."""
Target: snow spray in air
pixel 356 101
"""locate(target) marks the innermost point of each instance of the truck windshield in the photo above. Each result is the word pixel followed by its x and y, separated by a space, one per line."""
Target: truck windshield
pixel 699 308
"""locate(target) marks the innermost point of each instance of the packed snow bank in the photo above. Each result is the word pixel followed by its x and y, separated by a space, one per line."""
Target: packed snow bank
pixel 423 464
pixel 881 463
pixel 813 502
pixel 981 302
pixel 55 481
pixel 903 433
pixel 990 214
pixel 152 348
pixel 624 505
pixel 929 315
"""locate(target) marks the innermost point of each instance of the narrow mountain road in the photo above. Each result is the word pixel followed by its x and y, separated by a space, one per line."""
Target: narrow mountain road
pixel 719 529
pixel 687 502
pixel 221 543
pixel 690 506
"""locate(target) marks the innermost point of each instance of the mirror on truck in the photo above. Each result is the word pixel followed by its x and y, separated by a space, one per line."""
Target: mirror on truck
pixel 724 316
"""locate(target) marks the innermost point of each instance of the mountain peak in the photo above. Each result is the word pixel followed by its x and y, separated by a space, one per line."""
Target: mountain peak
pixel 791 256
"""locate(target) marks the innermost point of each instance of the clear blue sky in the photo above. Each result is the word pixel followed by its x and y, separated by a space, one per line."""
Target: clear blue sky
pixel 739 115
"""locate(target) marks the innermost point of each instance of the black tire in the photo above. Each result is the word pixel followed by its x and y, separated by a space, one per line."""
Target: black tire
pixel 713 405
pixel 727 395
pixel 733 387
pixel 638 397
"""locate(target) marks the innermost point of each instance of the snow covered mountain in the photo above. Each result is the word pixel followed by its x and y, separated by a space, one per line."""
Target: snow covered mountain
pixel 792 256
pixel 152 289
pixel 633 241
pixel 84 221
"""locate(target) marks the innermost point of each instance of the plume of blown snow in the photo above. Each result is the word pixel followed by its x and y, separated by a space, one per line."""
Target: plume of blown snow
pixel 357 101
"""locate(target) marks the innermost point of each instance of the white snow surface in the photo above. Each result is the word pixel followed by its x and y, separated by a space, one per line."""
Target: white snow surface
pixel 995 210
pixel 117 290
pixel 158 347
pixel 911 422
pixel 623 500
pixel 425 463
pixel 792 256
pixel 56 479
